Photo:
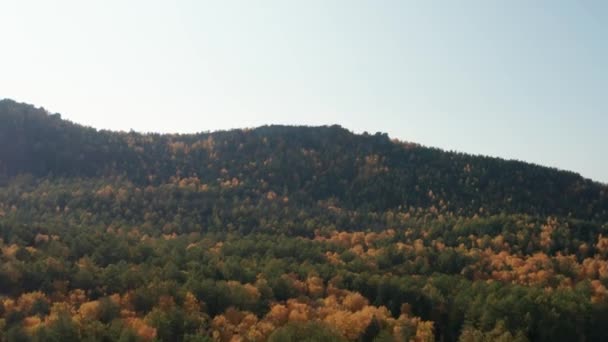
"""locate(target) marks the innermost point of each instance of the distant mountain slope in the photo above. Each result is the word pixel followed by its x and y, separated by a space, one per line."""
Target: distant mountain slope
pixel 308 164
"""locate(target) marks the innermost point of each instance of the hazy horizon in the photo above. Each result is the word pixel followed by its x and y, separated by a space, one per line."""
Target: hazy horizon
pixel 517 80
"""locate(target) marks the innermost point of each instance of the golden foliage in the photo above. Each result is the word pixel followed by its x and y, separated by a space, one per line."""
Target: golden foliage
pixel 349 313
pixel 27 300
pixel 31 324
pixel 278 314
pixel 191 304
pixel 141 328
pixel 89 310
pixel 315 286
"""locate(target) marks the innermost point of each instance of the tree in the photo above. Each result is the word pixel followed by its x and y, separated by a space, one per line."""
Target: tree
pixel 305 332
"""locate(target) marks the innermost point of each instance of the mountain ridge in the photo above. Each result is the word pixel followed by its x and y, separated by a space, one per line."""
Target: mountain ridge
pixel 316 162
pixel 11 102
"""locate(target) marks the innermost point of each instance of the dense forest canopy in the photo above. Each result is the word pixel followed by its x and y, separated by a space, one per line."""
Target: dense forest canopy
pixel 287 233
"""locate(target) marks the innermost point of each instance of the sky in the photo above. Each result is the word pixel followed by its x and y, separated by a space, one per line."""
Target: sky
pixel 524 80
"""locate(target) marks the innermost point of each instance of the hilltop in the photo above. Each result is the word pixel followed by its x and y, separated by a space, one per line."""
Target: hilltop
pixel 310 163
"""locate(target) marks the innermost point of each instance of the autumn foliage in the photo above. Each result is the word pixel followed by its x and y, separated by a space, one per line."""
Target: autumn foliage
pixel 288 234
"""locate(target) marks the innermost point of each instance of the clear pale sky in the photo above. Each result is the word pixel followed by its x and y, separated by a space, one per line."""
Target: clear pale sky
pixel 523 80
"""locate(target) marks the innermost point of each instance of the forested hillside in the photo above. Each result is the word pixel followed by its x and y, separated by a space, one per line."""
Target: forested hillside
pixel 285 233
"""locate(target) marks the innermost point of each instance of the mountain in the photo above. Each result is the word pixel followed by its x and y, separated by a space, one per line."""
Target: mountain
pixel 312 163
pixel 287 232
